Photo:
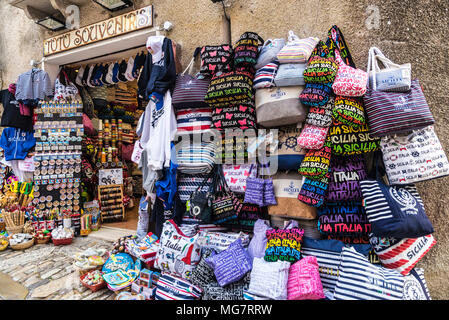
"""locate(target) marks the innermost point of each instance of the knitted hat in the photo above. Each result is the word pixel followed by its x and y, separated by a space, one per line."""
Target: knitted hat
pixel 154 46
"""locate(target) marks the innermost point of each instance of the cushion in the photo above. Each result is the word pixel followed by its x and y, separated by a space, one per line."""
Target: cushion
pixel 170 287
pixel 233 291
pixel 269 279
pixel 231 264
pixel 203 274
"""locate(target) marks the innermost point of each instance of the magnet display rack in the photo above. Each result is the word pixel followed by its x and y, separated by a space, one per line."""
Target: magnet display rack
pixel 111 202
pixel 59 134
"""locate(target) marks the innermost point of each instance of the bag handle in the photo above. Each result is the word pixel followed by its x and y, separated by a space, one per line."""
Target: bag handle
pixel 210 175
pixel 292 37
pixel 337 40
pixel 191 63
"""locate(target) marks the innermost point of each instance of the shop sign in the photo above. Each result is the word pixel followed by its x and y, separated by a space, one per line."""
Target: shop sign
pixel 113 27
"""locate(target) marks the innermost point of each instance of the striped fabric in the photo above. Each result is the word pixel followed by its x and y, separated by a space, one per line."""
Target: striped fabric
pixel 361 280
pixel 328 255
pixel 395 211
pixel 173 288
pixel 415 286
pixel 187 184
pixel 196 158
pixel 264 77
pixel 194 120
pixel 405 254
pixel 189 92
pixel 397 112
pixel 297 51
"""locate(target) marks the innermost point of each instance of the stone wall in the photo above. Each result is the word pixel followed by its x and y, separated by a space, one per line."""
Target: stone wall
pixel 406 31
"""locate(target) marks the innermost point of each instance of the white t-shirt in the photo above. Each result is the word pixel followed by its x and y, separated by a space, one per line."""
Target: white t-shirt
pixel 158 130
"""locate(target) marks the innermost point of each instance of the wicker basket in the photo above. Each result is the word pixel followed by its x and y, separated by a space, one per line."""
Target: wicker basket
pixel 13 230
pixel 43 240
pixel 61 242
pixel 97 287
pixel 23 246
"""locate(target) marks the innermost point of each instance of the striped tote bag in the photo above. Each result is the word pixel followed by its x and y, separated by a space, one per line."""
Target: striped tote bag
pixel 264 77
pixel 170 287
pixel 194 120
pixel 395 211
pixel 196 158
pixel 360 280
pixel 297 50
pixel 328 255
pixel 391 113
pixel 189 92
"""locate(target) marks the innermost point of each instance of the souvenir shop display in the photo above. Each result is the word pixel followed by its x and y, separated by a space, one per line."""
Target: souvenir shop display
pixel 264 170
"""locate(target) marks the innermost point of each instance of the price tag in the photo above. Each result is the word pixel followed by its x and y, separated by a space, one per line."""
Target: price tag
pixel 110 176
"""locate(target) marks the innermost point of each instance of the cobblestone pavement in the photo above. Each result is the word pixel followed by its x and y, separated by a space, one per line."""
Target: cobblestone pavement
pixel 47 271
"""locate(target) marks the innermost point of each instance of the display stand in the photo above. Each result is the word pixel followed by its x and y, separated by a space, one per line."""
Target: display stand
pixel 111 202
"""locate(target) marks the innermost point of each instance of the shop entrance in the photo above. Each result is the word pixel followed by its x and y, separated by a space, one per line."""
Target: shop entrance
pixel 115 114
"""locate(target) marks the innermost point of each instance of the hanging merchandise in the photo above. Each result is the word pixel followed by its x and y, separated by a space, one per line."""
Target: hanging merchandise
pixel 312 137
pixel 234 116
pixel 234 87
pixel 247 217
pixel 328 255
pixel 343 219
pixel 289 153
pixel 177 253
pixel 268 52
pixel 33 85
pixel 195 158
pixel 236 176
pixel 254 192
pixel 349 81
pixel 296 50
pixel 215 59
pixel 269 198
pixel 402 254
pixel 230 265
pixel 200 201
pixel 290 74
pixel 395 211
pixel 225 205
pixel 347 140
pixel 316 163
pixel 304 281
pixel 264 77
pixel 284 244
pixel 413 158
pixel 269 279
pixel 349 111
pixel 344 183
pixel 170 287
pixel 313 192
pixel 319 75
pixel 11 116
pixel 336 41
pixel 287 186
pixel 279 106
pixel 194 120
pixel 188 184
pixel 397 112
pixel 321 116
pixel 190 90
pixel 246 50
pixel 16 143
pixel 392 77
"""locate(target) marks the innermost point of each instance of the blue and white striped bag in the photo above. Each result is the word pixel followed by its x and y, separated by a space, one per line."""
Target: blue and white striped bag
pixel 173 288
pixel 196 158
pixel 187 184
pixel 395 211
pixel 264 77
pixel 359 279
pixel 328 256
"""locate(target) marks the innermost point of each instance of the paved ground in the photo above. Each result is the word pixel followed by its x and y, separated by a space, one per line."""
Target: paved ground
pixel 46 272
